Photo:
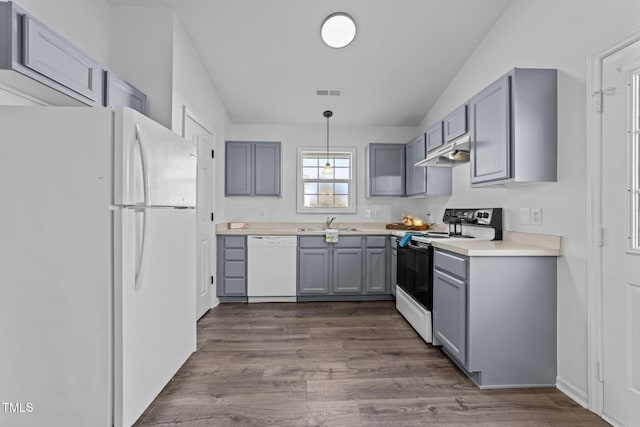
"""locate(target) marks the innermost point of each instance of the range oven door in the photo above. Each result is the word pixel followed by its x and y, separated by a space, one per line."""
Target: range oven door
pixel 415 272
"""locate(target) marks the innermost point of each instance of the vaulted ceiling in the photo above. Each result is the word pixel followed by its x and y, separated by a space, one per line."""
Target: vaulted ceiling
pixel 266 58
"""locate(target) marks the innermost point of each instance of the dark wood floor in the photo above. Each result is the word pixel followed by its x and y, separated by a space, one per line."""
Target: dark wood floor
pixel 337 364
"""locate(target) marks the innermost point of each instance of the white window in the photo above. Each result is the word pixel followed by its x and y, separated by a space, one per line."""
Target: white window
pixel 634 188
pixel 326 193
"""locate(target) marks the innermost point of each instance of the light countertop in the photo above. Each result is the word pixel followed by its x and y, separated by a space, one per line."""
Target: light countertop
pixel 513 243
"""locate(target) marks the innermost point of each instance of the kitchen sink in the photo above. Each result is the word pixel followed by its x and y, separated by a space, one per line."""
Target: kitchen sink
pixel 322 230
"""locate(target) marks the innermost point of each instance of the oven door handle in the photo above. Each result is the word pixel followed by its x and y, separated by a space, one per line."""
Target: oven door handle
pixel 417 248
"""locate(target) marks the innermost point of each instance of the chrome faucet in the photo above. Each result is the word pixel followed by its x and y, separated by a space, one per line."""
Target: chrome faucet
pixel 328 221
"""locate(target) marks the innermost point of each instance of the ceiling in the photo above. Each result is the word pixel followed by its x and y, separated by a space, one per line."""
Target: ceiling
pixel 266 58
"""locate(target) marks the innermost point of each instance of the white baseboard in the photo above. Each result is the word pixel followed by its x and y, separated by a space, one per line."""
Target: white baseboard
pixel 573 392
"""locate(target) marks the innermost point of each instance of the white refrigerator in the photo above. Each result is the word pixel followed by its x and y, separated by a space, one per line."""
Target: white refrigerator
pixel 97 264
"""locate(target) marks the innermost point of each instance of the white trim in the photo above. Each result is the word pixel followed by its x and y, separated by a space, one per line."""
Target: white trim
pixel 573 392
pixel 19 94
pixel 595 388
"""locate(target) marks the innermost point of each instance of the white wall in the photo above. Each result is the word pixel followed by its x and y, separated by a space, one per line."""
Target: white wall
pixel 292 137
pixel 551 34
pixel 142 54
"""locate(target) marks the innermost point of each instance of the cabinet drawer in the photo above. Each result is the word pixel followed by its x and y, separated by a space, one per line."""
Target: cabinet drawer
pixel 234 287
pixel 234 269
pixel 234 254
pixel 376 241
pixel 311 242
pixel 234 242
pixel 349 242
pixel 451 263
pixel 455 124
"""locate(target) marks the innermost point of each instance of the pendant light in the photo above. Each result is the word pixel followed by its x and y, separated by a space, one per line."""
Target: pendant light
pixel 328 170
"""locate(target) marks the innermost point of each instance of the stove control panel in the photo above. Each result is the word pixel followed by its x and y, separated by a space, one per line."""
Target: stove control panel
pixel 486 217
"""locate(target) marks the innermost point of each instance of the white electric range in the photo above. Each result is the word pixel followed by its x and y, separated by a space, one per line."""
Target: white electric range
pixel 414 290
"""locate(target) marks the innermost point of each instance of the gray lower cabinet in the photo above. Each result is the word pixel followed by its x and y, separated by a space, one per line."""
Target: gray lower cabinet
pixel 347 270
pixel 313 271
pixel 232 268
pixel 39 54
pixel 496 317
pixel 252 169
pixel 451 318
pixel 393 264
pixel 355 267
pixel 385 170
pixel 120 93
pixel 513 129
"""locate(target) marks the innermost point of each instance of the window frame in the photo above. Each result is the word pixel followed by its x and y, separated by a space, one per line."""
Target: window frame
pixel 300 208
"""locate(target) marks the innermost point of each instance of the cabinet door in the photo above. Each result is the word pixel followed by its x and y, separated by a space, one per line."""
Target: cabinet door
pixel 347 270
pixel 434 136
pixel 415 183
pixel 267 169
pixel 450 314
pixel 376 264
pixel 455 123
pixel 50 55
pixel 386 169
pixel 120 93
pixel 490 133
pixel 238 169
pixel 313 271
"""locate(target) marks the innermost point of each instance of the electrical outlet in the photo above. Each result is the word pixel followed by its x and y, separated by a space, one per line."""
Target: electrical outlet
pixel 377 213
pixel 536 216
pixel 525 216
pixel 262 213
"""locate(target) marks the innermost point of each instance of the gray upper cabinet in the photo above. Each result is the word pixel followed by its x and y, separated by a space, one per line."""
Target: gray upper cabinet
pixel 416 177
pixel 267 169
pixel 435 136
pixel 455 123
pixel 252 168
pixel 386 170
pixel 513 129
pixel 424 181
pixel 39 54
pixel 120 93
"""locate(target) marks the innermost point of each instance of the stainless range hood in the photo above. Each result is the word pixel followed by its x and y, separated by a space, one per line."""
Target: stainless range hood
pixel 451 154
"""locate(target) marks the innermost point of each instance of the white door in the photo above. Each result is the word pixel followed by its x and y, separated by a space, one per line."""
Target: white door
pixel 204 139
pixel 621 250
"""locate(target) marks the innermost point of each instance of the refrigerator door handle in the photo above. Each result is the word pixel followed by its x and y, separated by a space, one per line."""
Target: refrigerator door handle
pixel 145 168
pixel 141 237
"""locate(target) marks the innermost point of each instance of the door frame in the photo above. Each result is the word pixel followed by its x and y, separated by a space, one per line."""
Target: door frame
pixel 595 384
pixel 187 113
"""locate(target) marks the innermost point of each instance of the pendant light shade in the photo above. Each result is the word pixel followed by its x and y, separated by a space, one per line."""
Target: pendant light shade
pixel 328 170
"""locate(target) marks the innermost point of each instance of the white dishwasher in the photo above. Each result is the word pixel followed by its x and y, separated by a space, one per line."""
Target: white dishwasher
pixel 271 268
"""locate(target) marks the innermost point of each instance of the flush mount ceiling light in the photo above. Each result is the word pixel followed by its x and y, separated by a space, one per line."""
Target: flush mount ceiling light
pixel 338 30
